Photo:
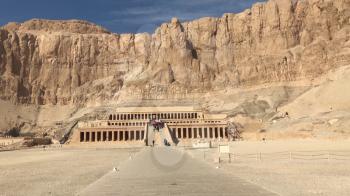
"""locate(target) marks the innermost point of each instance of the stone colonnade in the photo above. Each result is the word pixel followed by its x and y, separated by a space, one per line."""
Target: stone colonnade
pixel 146 116
pixel 112 135
pixel 207 132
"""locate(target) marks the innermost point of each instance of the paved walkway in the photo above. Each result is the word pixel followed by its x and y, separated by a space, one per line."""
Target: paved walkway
pixel 166 171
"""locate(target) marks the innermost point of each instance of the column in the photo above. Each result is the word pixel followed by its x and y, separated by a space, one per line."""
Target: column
pixel 221 132
pixel 86 136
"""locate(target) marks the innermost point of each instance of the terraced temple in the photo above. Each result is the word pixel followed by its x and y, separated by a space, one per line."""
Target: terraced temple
pixel 155 126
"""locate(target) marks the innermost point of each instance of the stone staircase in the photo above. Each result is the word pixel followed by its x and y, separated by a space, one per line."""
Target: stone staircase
pixel 150 134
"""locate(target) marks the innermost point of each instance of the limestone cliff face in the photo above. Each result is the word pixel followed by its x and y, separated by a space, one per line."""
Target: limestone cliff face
pixel 276 41
pixel 45 66
pixel 70 62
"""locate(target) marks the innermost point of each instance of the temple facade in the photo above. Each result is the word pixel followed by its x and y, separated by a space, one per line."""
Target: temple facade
pixel 154 126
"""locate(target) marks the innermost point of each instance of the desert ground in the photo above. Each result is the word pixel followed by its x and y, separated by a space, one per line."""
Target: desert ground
pixel 55 171
pixel 317 167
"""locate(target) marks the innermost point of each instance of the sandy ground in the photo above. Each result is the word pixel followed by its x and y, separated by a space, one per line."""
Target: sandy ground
pixel 168 171
pixel 304 174
pixel 55 171
pixel 69 170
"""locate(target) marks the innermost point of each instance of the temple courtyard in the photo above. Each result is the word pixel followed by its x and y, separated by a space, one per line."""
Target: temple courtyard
pixel 304 167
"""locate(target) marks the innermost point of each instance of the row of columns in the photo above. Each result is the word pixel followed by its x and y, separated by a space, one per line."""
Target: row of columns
pixel 101 136
pixel 145 116
pixel 200 132
pixel 127 123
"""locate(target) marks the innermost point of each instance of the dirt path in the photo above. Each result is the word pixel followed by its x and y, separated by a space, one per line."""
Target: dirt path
pixel 167 171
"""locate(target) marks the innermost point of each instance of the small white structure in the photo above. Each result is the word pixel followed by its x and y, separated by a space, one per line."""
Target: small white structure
pixel 224 149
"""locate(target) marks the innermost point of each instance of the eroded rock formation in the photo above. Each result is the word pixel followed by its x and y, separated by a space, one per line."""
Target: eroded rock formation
pixel 74 62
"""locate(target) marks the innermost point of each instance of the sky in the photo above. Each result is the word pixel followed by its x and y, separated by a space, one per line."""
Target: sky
pixel 119 16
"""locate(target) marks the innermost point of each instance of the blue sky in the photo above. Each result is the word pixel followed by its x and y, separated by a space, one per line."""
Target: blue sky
pixel 119 16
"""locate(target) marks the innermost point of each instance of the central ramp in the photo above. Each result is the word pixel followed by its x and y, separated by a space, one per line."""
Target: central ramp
pixel 168 171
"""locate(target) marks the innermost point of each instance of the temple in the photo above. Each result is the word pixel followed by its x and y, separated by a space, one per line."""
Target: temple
pixel 154 126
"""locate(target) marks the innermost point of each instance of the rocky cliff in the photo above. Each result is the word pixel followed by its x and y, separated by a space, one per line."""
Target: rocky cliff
pixel 56 62
pixel 59 71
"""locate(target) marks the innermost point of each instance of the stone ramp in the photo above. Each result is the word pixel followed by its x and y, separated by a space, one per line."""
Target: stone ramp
pixel 149 134
pixel 167 171
pixel 165 131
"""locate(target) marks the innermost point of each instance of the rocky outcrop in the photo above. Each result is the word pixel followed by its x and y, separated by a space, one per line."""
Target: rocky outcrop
pixel 75 62
pixel 49 67
pixel 70 26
